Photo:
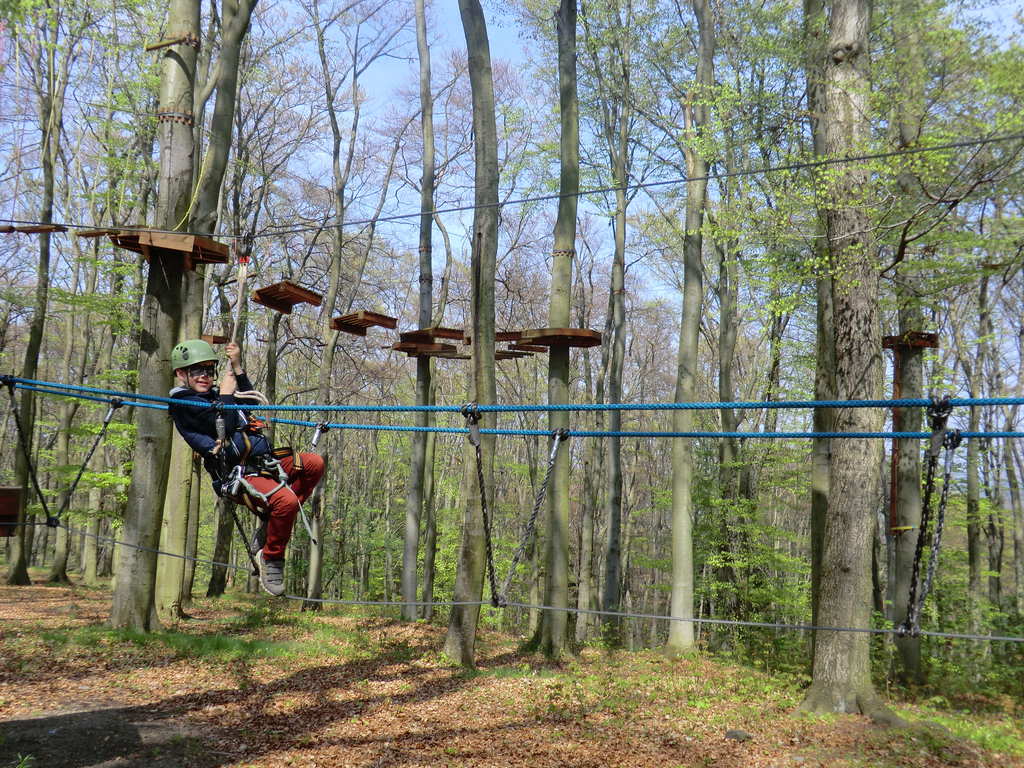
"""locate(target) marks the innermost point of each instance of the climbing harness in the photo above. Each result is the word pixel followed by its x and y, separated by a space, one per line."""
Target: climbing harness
pixel 52 520
pixel 499 598
pixel 941 438
pixel 234 484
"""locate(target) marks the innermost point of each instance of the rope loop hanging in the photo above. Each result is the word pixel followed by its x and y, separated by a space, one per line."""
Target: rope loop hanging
pixel 941 438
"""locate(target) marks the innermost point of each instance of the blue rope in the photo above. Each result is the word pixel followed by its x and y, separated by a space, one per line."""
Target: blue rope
pixel 919 402
pixel 49 388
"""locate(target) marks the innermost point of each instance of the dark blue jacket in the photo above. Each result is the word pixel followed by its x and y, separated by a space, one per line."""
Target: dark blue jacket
pixel 199 426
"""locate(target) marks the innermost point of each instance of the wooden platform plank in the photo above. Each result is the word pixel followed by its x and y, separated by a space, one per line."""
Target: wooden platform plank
pixel 282 297
pixel 414 348
pixel 436 332
pixel 35 229
pixel 357 322
pixel 11 499
pixel 194 249
pixel 562 337
pixel 213 338
pixel 527 348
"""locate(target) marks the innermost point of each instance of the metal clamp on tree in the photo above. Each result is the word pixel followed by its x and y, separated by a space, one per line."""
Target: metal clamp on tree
pixel 941 438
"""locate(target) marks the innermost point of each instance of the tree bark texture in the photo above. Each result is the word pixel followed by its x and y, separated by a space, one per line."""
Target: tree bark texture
pixel 460 642
pixel 681 631
pixel 555 623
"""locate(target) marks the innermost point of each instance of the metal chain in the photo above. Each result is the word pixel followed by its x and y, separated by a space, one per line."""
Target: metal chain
pixel 115 403
pixel 9 381
pixel 472 414
pixel 558 436
pixel 951 441
pixel 938 416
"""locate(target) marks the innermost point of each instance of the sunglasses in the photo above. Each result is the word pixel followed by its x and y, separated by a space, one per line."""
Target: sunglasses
pixel 195 371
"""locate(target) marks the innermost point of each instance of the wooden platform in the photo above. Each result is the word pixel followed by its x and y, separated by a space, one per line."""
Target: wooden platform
pixel 561 337
pixel 923 339
pixel 11 499
pixel 213 338
pixel 195 249
pixel 427 335
pixel 423 349
pixel 34 229
pixel 282 297
pixel 527 348
pixel 96 232
pixel 508 354
pixel 357 322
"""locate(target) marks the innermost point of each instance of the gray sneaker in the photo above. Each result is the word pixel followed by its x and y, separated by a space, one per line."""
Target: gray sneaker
pixel 271 575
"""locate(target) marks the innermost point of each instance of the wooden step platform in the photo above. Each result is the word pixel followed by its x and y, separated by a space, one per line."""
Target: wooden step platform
pixel 527 348
pixel 213 338
pixel 35 229
pixel 416 349
pixel 282 297
pixel 427 335
pixel 194 249
pixel 11 499
pixel 357 322
pixel 561 337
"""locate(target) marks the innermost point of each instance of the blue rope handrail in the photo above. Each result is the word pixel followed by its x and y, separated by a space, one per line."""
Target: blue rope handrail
pixel 523 432
pixel 919 402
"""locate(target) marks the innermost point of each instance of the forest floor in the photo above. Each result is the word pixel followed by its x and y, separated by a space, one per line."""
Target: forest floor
pixel 250 681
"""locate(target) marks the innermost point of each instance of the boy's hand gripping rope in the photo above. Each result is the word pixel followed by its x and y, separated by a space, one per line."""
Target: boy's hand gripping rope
pixel 472 414
pixel 938 416
pixel 557 437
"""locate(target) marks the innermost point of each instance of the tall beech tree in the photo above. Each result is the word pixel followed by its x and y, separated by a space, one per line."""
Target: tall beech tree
pixel 841 671
pixel 460 641
pixel 134 604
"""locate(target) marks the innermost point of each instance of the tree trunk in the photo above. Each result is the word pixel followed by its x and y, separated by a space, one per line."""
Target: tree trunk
pixel 417 463
pixel 555 623
pixel 841 675
pixel 681 631
pixel 461 638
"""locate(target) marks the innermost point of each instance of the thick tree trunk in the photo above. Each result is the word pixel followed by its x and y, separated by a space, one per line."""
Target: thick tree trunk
pixel 555 623
pixel 460 642
pixel 841 675
pixel 134 596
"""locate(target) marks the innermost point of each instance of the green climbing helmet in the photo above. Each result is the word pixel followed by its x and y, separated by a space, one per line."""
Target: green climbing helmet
pixel 191 352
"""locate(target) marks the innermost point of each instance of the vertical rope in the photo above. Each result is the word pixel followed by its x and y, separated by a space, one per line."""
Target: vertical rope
pixel 472 414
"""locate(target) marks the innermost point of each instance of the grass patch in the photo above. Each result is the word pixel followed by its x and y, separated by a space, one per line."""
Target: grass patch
pixel 1004 736
pixel 213 646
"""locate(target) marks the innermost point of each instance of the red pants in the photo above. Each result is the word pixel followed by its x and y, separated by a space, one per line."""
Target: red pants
pixel 284 504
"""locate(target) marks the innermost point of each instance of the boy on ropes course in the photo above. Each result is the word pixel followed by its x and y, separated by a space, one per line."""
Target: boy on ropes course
pixel 239 458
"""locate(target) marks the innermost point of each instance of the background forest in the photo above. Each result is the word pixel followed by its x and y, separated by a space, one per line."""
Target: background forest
pixel 323 167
